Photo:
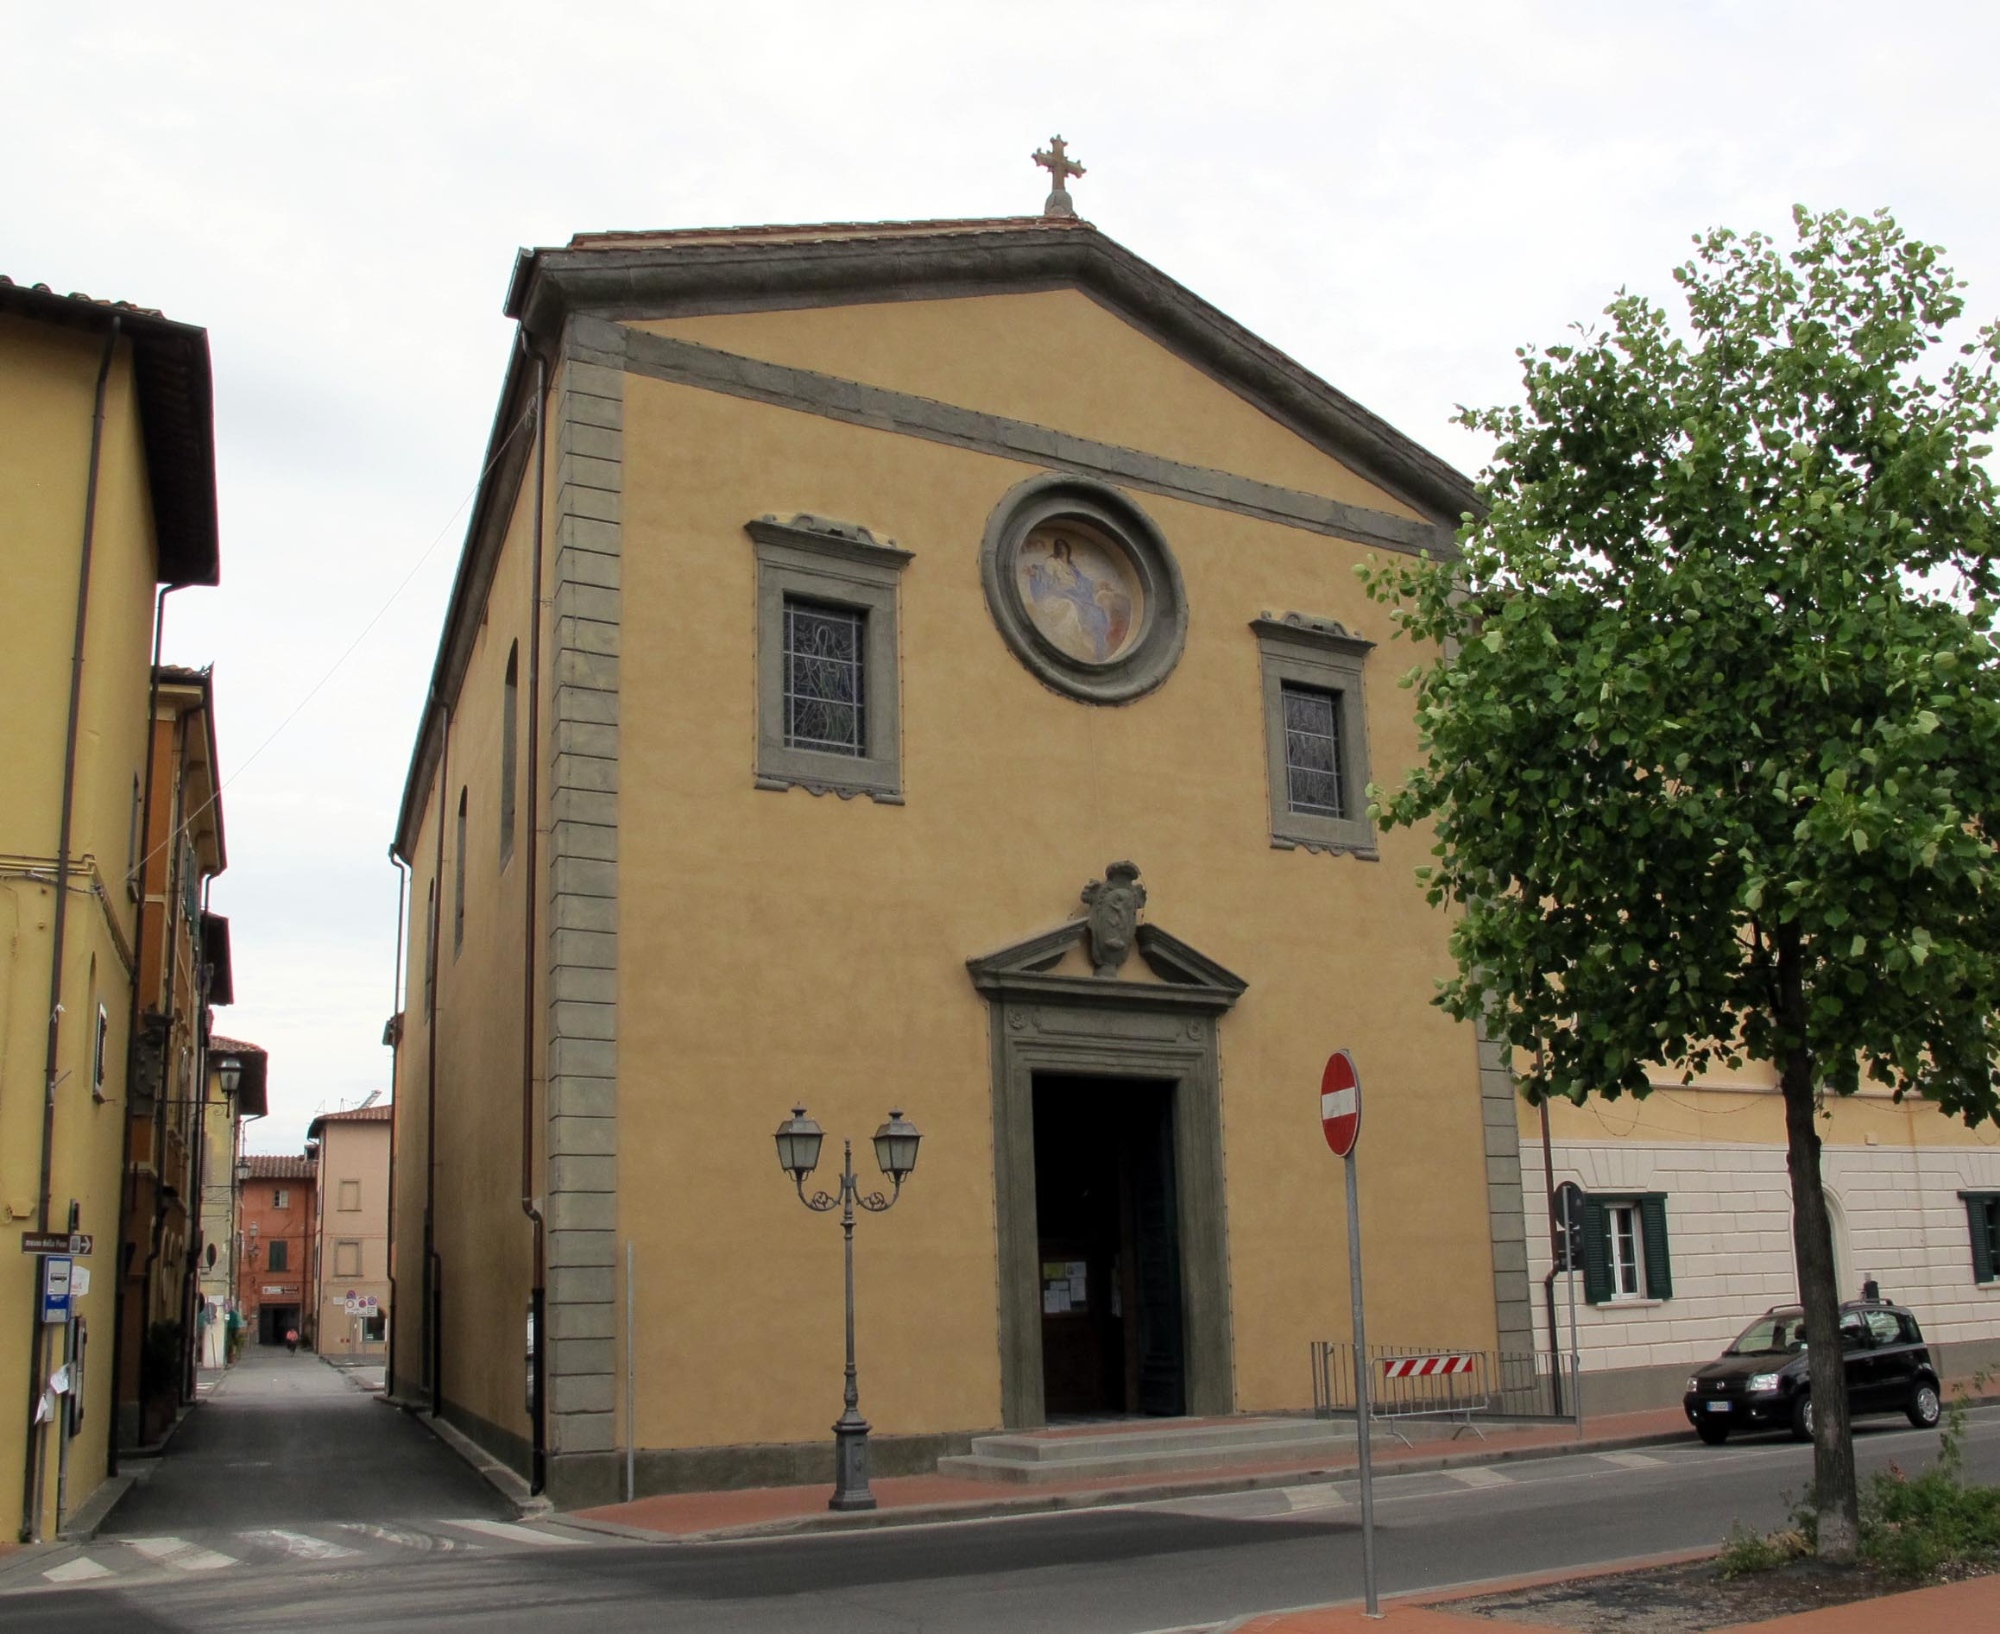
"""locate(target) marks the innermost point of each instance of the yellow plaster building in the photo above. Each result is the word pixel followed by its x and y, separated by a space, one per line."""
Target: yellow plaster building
pixel 898 584
pixel 107 493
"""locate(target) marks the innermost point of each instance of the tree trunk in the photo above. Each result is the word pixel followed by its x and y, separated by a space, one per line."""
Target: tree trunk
pixel 1835 1496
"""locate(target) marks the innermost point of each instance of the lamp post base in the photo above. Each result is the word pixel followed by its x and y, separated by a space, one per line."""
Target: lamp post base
pixel 850 1463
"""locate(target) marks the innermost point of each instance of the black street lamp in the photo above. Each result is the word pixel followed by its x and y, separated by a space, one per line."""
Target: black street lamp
pixel 230 1070
pixel 799 1140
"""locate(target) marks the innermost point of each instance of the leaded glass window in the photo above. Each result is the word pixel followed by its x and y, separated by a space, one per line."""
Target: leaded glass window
pixel 1312 751
pixel 825 687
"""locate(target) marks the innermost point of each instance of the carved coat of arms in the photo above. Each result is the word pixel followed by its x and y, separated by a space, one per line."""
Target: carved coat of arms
pixel 1112 907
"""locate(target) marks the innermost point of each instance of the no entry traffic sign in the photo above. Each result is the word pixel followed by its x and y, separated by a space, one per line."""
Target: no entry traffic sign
pixel 1340 1122
pixel 1340 1103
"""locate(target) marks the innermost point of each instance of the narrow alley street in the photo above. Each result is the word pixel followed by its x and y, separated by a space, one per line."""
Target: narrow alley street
pixel 289 1461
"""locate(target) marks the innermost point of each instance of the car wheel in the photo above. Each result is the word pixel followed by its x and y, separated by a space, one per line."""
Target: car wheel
pixel 1713 1434
pixel 1802 1418
pixel 1924 1409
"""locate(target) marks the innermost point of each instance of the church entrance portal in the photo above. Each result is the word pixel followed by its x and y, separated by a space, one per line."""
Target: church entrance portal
pixel 1108 1241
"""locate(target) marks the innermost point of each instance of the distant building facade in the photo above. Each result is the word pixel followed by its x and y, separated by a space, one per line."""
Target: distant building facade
pixel 220 1315
pixel 185 971
pixel 351 1238
pixel 1687 1224
pixel 274 1275
pixel 107 500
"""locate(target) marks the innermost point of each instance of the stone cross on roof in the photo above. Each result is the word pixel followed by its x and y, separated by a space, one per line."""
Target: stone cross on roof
pixel 1060 166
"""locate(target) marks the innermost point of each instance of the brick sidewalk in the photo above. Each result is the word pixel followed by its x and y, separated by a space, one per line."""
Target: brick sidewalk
pixel 1971 1607
pixel 911 1498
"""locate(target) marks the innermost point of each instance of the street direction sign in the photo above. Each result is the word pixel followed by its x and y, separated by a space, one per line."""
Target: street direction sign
pixel 1340 1103
pixel 78 1243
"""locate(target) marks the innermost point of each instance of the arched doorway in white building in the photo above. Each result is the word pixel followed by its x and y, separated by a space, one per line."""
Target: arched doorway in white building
pixel 1845 1277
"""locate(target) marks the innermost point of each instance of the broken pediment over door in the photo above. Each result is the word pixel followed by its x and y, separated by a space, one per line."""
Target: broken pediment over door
pixel 1051 966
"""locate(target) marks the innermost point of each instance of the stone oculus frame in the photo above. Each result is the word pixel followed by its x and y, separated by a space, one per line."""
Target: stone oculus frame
pixel 1099 1026
pixel 1149 659
pixel 1317 653
pixel 843 564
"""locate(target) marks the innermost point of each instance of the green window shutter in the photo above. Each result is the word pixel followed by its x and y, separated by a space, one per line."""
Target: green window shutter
pixel 1659 1265
pixel 1596 1251
pixel 1976 1206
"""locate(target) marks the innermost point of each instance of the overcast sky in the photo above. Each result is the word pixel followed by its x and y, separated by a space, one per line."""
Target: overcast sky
pixel 1396 195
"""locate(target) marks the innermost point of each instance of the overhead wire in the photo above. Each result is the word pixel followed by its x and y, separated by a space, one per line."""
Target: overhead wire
pixel 348 652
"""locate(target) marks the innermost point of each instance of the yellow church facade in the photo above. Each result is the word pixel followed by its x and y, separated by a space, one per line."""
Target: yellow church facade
pixel 917 668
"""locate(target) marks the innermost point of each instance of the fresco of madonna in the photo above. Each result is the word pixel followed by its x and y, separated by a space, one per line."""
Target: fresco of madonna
pixel 1081 591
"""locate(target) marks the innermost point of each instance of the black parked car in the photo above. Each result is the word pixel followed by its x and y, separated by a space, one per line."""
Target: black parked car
pixel 1760 1381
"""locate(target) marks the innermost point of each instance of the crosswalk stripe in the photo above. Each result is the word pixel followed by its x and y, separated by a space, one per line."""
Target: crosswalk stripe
pixel 1477 1476
pixel 299 1545
pixel 403 1537
pixel 180 1554
pixel 513 1534
pixel 1632 1460
pixel 80 1570
pixel 1303 1498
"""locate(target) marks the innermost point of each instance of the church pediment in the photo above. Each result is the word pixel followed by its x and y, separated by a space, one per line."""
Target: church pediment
pixel 1106 933
pixel 624 277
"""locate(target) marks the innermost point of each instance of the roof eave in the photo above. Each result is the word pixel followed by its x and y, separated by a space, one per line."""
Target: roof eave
pixel 176 392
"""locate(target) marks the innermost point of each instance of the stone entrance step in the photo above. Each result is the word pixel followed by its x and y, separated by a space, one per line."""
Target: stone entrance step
pixel 1148 1447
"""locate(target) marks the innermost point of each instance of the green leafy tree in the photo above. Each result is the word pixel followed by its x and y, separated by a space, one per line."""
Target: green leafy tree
pixel 1713 748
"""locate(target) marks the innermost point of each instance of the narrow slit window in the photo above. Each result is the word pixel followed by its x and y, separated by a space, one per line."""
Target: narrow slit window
pixel 825 680
pixel 509 750
pixel 458 883
pixel 1312 752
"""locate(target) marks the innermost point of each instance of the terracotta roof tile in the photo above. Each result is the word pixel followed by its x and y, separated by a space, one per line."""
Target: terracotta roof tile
pixel 273 1166
pixel 822 232
pixel 360 1114
pixel 89 300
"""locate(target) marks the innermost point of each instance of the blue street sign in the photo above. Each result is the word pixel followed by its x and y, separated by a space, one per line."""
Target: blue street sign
pixel 55 1287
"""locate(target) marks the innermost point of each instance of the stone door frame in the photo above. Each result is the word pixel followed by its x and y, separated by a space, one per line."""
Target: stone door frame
pixel 1104 1027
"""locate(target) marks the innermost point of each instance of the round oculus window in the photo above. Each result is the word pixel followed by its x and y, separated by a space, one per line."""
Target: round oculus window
pixel 1083 588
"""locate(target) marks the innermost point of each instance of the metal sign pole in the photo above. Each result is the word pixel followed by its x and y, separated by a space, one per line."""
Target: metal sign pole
pixel 1361 1418
pixel 1577 1359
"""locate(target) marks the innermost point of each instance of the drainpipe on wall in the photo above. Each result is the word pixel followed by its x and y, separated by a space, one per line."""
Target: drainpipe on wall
pixel 1558 1241
pixel 398 1006
pixel 33 1445
pixel 127 1191
pixel 538 1297
pixel 433 1262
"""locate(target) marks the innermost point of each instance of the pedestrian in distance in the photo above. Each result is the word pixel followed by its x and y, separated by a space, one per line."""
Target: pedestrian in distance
pixel 292 1340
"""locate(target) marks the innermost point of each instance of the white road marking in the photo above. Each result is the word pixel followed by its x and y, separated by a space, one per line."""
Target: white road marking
pixel 180 1554
pixel 1305 1498
pixel 80 1570
pixel 1479 1476
pixel 402 1537
pixel 299 1545
pixel 1633 1460
pixel 512 1533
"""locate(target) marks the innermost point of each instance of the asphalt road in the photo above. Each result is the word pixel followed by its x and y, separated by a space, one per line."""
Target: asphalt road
pixel 1124 1571
pixel 289 1438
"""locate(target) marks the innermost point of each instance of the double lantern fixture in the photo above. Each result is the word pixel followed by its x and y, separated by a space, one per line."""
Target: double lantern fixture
pixel 799 1140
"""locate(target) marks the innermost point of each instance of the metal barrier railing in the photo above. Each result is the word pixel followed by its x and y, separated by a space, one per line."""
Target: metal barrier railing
pixel 1443 1382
